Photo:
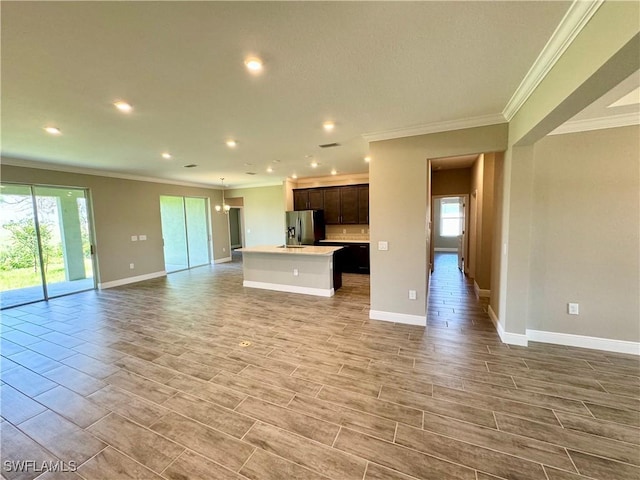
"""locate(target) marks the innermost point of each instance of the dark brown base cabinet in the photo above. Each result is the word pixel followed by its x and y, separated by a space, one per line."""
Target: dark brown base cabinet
pixel 353 258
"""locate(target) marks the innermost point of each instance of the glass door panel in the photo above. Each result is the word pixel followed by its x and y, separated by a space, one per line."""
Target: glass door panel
pixel 174 233
pixel 65 242
pixel 20 266
pixel 197 231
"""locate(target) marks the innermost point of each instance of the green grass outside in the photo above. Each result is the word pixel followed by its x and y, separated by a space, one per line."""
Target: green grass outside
pixel 26 277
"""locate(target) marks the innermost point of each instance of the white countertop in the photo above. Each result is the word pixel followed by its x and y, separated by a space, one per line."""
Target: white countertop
pixel 305 250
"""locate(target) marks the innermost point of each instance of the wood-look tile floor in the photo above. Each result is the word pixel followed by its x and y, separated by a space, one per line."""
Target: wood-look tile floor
pixel 149 381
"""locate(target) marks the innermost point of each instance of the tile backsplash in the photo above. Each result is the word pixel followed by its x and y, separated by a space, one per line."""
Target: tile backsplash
pixel 347 232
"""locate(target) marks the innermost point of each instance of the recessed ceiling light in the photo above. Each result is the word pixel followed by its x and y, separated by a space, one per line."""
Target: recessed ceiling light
pixel 123 106
pixel 269 169
pixel 367 159
pixel 328 126
pixel 53 130
pixel 334 172
pixel 166 155
pixel 314 164
pixel 231 143
pixel 253 64
pixel 294 176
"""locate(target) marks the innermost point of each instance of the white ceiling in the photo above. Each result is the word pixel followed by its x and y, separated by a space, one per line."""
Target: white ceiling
pixel 367 66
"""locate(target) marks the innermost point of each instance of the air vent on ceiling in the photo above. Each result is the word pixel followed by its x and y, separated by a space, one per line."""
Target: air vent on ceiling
pixel 250 173
pixel 191 165
pixel 329 145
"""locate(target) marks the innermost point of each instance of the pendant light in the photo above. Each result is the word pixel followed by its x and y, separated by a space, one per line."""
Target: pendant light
pixel 224 207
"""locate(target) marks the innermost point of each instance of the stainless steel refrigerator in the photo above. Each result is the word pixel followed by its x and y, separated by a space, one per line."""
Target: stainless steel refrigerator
pixel 304 227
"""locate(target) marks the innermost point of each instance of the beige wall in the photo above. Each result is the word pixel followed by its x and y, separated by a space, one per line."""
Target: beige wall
pixel 483 181
pixel 586 240
pixel 264 217
pixel 122 208
pixel 604 53
pixel 398 175
pixel 455 181
pixel 496 256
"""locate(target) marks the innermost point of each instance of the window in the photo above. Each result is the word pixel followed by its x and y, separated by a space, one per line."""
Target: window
pixel 451 216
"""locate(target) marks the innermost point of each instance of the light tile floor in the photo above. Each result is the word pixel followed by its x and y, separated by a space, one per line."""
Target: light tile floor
pixel 149 381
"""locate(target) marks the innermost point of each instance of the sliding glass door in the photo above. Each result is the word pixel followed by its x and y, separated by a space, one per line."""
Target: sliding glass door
pixel 45 243
pixel 185 231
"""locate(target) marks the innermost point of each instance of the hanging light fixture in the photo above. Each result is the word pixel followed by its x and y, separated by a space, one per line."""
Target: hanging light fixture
pixel 224 207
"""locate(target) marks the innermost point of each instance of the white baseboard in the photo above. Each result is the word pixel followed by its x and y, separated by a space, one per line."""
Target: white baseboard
pixel 398 317
pixel 318 292
pixel 222 260
pixel 128 280
pixel 481 292
pixel 568 339
pixel 507 337
pixel 445 249
pixel 596 343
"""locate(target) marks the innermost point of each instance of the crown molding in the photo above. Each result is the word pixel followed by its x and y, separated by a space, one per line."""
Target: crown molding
pixel 56 167
pixel 579 13
pixel 575 126
pixel 436 127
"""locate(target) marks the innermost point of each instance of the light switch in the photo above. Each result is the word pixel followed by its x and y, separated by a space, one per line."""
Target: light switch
pixel 134 238
pixel 142 238
pixel 383 245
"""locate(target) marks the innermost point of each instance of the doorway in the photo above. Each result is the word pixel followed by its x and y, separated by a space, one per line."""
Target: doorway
pixel 450 220
pixel 185 232
pixel 235 228
pixel 46 246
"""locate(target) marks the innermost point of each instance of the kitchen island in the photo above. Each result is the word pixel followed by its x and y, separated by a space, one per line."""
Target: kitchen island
pixel 307 269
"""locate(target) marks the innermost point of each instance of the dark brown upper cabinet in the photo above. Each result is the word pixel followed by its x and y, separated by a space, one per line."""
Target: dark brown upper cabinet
pixel 308 199
pixel 342 205
pixel 332 205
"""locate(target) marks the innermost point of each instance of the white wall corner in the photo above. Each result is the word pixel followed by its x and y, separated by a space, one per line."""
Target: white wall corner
pixel 222 260
pixel 507 337
pixel 582 341
pixel 481 292
pixel 398 317
pixel 128 280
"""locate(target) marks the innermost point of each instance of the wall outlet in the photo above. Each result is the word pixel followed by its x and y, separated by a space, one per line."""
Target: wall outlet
pixel 295 272
pixel 413 295
pixel 344 230
pixel 573 308
pixel 224 249
pixel 362 230
pixel 142 238
pixel 134 238
pixel 131 266
pixel 383 245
